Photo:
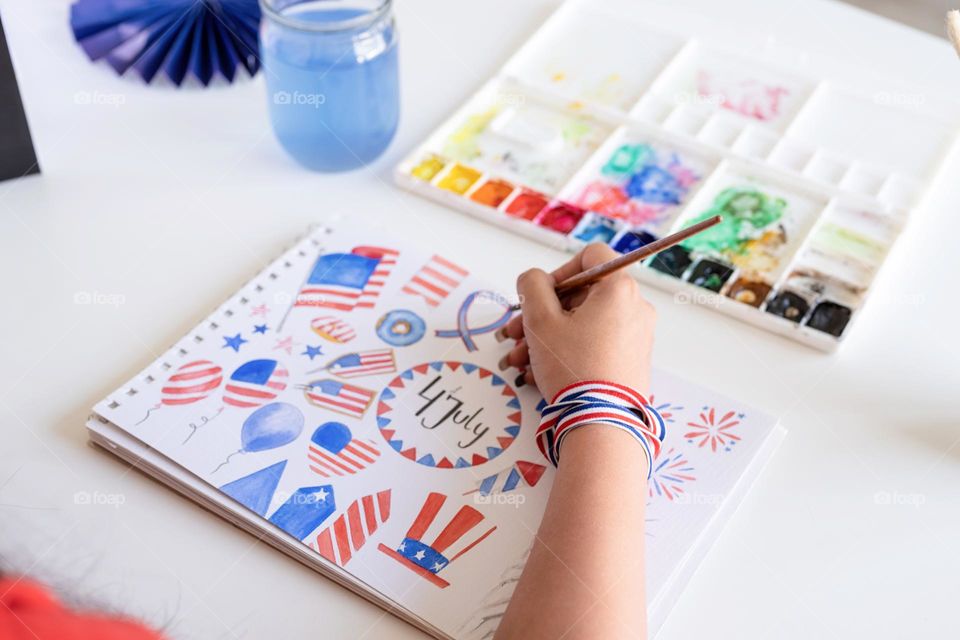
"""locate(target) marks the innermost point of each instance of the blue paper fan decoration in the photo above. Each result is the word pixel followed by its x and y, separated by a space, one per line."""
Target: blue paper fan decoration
pixel 177 37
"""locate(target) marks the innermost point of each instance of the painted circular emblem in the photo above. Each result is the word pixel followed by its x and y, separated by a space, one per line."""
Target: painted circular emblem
pixel 449 415
pixel 401 328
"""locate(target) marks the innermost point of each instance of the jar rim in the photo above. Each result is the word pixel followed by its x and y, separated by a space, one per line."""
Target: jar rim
pixel 268 8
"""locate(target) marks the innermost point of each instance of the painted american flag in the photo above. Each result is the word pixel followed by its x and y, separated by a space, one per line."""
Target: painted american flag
pixel 347 281
pixel 436 280
pixel 333 329
pixel 334 451
pixel 339 397
pixel 363 363
pixel 340 542
pixel 255 383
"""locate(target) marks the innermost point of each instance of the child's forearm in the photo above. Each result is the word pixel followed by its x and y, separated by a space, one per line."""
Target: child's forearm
pixel 585 575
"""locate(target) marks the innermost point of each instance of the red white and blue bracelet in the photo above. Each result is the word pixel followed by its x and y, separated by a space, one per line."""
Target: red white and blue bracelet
pixel 599 402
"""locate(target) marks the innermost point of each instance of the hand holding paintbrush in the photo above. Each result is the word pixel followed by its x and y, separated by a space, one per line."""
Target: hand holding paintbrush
pixel 592 275
pixel 609 331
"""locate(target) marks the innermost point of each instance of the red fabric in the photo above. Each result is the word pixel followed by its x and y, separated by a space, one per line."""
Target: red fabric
pixel 30 612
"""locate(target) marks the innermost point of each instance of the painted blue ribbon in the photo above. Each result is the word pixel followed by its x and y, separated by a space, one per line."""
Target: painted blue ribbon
pixel 464 331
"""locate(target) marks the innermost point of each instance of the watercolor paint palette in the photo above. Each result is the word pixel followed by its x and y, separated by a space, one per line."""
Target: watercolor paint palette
pixel 639 131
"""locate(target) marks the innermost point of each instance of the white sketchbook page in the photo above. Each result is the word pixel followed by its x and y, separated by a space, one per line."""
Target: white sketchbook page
pixel 281 445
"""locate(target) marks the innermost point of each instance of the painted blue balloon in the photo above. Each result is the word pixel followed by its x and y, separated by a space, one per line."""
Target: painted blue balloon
pixel 332 436
pixel 255 371
pixel 271 426
pixel 401 328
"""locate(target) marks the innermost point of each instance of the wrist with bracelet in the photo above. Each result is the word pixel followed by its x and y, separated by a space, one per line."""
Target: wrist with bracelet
pixel 603 403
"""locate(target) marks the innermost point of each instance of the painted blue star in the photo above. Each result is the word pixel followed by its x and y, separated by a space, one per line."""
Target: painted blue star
pixel 312 351
pixel 259 328
pixel 234 343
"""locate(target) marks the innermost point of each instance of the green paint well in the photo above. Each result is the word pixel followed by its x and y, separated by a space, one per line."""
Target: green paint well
pixel 746 213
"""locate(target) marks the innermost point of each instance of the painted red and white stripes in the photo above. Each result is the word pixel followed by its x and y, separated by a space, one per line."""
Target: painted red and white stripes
pixel 436 280
pixel 341 541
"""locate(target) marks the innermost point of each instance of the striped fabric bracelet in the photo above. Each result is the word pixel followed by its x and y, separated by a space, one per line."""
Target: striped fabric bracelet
pixel 599 402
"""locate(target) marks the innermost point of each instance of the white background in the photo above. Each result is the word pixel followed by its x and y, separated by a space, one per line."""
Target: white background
pixel 172 199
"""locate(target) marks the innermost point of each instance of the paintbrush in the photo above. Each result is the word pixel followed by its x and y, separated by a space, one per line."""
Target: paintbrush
pixel 953 28
pixel 590 276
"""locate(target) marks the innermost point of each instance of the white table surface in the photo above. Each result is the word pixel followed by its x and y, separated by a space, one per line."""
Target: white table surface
pixel 171 199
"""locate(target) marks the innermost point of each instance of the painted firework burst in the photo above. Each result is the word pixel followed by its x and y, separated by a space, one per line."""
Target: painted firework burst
pixel 666 410
pixel 713 430
pixel 671 470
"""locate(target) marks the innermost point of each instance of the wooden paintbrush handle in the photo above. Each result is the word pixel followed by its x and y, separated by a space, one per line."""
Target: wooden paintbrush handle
pixel 593 274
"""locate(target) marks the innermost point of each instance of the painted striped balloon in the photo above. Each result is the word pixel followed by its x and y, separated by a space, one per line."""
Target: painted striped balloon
pixel 333 329
pixel 191 383
pixel 255 383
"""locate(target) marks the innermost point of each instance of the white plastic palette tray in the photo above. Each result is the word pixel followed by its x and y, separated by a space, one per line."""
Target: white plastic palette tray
pixel 605 128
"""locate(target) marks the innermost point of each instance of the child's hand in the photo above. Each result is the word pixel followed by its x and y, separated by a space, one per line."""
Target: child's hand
pixel 602 333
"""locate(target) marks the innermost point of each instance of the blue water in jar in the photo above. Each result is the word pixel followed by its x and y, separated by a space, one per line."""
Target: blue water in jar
pixel 333 95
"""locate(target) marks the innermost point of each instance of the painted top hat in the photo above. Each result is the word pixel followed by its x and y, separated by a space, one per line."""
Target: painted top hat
pixel 428 559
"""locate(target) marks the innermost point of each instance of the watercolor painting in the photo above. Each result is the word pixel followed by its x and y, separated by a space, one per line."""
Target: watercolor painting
pixel 466 330
pixel 427 560
pixel 435 280
pixel 517 476
pixel 401 328
pixel 255 383
pixel 403 468
pixel 339 397
pixel 448 414
pixel 671 471
pixel 255 491
pixel 514 137
pixel 189 383
pixel 641 183
pixel 269 427
pixel 346 281
pixel 714 430
pixel 334 452
pixel 333 329
pixel 305 510
pixel 341 541
pixel 360 364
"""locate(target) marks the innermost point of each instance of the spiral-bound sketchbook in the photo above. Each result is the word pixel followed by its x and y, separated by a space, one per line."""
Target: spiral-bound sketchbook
pixel 346 406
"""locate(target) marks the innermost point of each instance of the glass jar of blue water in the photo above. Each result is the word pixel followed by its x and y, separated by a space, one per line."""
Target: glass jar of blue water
pixel 331 73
